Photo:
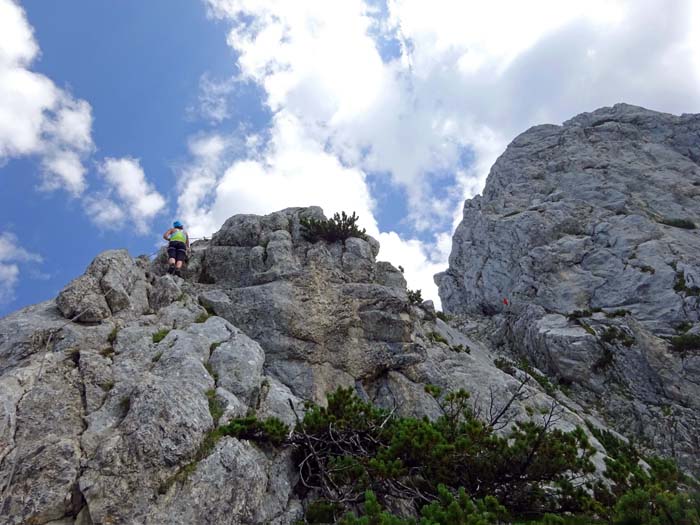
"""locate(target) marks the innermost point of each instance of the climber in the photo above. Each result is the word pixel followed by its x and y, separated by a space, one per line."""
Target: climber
pixel 178 247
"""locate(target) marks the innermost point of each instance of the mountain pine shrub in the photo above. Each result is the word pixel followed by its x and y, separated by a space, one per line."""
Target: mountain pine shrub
pixel 363 465
pixel 271 430
pixel 414 296
pixel 351 447
pixel 339 228
pixel 686 343
pixel 443 316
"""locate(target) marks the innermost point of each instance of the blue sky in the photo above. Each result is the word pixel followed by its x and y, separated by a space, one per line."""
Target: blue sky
pixel 140 72
pixel 116 117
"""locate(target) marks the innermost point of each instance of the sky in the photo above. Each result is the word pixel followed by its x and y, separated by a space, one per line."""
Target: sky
pixel 117 118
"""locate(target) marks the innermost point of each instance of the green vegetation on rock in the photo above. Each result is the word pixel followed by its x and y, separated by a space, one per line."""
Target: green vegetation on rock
pixel 363 465
pixel 414 296
pixel 686 343
pixel 443 316
pixel 338 228
pixel 612 334
pixel 681 286
pixel 686 224
pixel 435 337
pixel 202 318
pixel 160 335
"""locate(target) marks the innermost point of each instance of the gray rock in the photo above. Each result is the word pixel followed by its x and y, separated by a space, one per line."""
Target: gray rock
pixel 548 229
pixel 165 291
pixel 387 275
pixel 584 217
pixel 236 484
pixel 45 456
pixel 119 428
pixel 112 283
pixel 231 405
pixel 238 365
pixel 274 401
pixel 318 310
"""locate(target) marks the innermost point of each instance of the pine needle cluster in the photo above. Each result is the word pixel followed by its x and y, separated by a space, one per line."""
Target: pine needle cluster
pixel 338 228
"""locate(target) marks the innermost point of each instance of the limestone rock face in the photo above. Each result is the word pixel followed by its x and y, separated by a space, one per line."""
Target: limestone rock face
pixel 324 314
pixel 105 418
pixel 595 216
pixel 577 217
pixel 111 284
pixel 110 394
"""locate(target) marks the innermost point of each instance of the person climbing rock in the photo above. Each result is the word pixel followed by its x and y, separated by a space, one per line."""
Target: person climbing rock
pixel 178 247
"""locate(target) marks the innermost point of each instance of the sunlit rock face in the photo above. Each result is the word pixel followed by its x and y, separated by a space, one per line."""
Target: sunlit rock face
pixel 105 392
pixel 110 393
pixel 597 216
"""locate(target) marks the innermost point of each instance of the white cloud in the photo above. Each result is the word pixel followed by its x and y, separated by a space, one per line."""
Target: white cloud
pixel 11 254
pixel 104 212
pixel 9 275
pixel 197 182
pixel 213 98
pixel 135 196
pixel 468 74
pixel 294 170
pixel 10 250
pixel 419 260
pixel 36 117
pixel 465 77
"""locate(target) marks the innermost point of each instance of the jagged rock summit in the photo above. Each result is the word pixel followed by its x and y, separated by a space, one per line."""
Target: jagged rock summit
pixel 110 394
pixel 589 230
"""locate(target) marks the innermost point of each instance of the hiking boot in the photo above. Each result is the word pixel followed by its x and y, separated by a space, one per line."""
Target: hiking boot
pixel 177 272
pixel 171 269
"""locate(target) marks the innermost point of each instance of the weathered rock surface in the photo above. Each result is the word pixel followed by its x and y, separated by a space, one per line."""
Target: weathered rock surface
pixel 113 430
pixel 319 312
pixel 586 217
pixel 109 394
pixel 111 284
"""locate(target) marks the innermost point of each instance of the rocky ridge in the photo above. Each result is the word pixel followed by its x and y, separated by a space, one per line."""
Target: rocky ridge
pixel 100 417
pixel 106 392
pixel 589 231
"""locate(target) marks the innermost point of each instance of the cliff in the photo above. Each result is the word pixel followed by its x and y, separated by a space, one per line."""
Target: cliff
pixel 110 395
pixel 589 230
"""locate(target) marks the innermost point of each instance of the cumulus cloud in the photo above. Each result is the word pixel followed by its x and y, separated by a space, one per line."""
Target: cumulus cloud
pixel 413 88
pixel 104 212
pixel 37 117
pixel 293 170
pixel 198 180
pixel 11 256
pixel 129 195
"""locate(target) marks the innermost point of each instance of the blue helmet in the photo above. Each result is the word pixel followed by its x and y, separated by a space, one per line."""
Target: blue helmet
pixel 177 224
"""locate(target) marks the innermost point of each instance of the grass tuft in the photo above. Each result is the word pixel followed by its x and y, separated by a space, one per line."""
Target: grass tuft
pixel 160 335
pixel 202 318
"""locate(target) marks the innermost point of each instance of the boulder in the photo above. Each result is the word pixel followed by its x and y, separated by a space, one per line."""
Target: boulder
pixel 111 284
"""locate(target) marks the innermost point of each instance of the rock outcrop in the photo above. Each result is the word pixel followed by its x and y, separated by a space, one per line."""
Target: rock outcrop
pixel 110 395
pixel 106 391
pixel 588 231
